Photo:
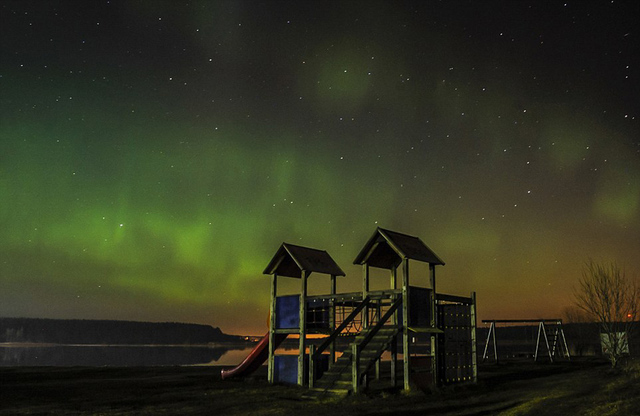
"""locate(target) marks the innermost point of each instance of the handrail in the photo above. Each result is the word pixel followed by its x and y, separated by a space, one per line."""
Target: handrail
pixel 380 324
pixel 373 294
pixel 453 298
pixel 357 348
pixel 340 328
pixel 337 296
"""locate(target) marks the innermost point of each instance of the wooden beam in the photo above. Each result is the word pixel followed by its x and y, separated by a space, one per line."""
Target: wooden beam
pixel 272 329
pixel 365 293
pixel 394 278
pixel 379 315
pixel 406 354
pixel 454 298
pixel 303 326
pixel 474 357
pixel 355 368
pixel 312 366
pixel 394 342
pixel 434 325
pixel 332 319
pixel 394 361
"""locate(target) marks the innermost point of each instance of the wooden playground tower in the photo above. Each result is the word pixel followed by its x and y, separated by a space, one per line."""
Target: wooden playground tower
pixel 372 322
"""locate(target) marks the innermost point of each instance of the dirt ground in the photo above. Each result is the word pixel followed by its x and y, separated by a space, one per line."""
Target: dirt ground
pixel 579 387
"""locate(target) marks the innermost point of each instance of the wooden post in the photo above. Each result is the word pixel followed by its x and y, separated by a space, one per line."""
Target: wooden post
pixel 365 326
pixel 394 321
pixel 434 320
pixel 474 356
pixel 303 326
pixel 365 293
pixel 332 319
pixel 405 323
pixel 312 366
pixel 379 313
pixel 394 278
pixel 272 329
pixel 355 368
pixel 394 361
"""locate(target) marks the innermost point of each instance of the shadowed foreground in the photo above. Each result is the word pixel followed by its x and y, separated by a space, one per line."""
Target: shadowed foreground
pixel 512 389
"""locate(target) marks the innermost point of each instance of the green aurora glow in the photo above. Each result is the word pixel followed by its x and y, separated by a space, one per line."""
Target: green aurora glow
pixel 151 165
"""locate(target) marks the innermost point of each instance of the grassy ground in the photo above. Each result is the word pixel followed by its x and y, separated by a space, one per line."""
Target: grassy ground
pixel 578 387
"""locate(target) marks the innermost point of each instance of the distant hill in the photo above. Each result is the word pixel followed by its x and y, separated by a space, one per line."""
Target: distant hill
pixel 75 331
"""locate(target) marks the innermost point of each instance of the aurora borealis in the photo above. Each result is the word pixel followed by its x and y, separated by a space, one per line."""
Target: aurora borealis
pixel 154 154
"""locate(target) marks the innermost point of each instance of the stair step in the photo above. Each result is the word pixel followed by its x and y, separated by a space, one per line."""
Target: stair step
pixel 380 332
pixel 376 344
pixel 343 381
pixel 334 374
pixel 378 335
pixel 317 393
pixel 376 339
pixel 338 378
pixel 333 384
pixel 369 355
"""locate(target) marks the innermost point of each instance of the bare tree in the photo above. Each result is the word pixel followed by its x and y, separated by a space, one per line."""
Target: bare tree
pixel 574 315
pixel 605 292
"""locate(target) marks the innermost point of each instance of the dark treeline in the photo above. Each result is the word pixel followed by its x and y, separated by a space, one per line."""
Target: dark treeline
pixel 74 331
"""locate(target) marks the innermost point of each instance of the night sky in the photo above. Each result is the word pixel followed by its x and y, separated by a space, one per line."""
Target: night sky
pixel 155 154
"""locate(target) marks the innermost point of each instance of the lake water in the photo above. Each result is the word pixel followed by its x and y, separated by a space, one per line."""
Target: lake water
pixel 110 355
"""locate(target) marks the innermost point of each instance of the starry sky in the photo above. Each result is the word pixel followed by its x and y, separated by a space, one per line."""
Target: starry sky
pixel 155 154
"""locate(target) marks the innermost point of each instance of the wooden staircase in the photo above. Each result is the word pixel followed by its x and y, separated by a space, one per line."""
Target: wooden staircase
pixel 338 379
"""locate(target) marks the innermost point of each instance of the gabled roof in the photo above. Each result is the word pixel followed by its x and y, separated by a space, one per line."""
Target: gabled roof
pixel 386 249
pixel 290 260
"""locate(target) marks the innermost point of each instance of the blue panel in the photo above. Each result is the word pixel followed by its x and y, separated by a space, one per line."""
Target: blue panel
pixel 287 312
pixel 286 369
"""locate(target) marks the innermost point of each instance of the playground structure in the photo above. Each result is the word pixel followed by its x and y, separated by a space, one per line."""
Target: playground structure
pixel 343 336
pixel 549 331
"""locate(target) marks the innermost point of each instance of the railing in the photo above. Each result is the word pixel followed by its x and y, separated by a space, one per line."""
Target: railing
pixel 367 338
pixel 314 353
pixel 357 348
pixel 357 296
pixel 331 338
pixel 341 306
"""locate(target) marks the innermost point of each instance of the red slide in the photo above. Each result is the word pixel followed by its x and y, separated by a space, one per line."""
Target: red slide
pixel 255 359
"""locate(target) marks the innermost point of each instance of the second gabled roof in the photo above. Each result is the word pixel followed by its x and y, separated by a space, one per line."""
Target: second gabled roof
pixel 386 249
pixel 291 259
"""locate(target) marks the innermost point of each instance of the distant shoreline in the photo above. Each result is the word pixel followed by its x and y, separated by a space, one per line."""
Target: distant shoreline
pixel 110 332
pixel 230 344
